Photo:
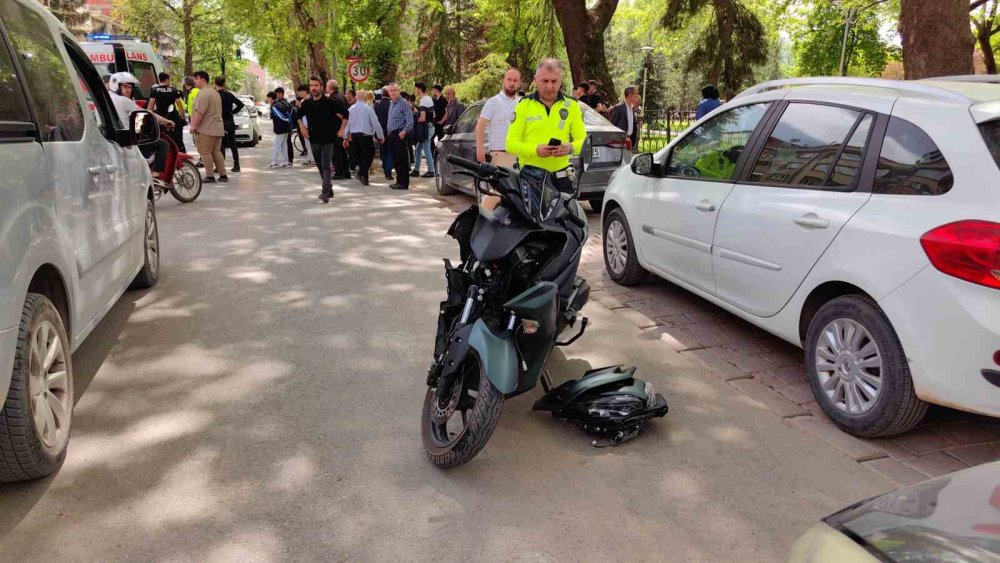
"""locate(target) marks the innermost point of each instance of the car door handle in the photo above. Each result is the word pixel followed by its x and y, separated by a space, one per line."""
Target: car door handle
pixel 95 170
pixel 705 206
pixel 812 221
pixel 112 168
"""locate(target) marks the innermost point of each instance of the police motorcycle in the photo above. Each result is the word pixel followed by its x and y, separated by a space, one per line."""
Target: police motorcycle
pixel 512 295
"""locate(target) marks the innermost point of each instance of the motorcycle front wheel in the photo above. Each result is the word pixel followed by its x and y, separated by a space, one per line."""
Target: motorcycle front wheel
pixel 187 183
pixel 456 428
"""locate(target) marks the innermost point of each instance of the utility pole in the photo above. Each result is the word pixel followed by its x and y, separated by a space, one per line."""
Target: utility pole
pixel 850 19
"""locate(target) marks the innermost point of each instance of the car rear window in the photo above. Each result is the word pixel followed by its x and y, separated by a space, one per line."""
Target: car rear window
pixel 991 135
pixel 910 163
pixel 591 117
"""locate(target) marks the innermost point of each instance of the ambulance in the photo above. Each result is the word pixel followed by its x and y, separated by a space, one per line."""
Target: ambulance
pixel 114 53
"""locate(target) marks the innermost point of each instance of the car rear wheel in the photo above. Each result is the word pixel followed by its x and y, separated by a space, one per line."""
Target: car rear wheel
pixel 858 371
pixel 620 258
pixel 35 419
pixel 439 182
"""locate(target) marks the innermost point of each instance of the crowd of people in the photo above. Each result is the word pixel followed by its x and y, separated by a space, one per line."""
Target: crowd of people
pixel 343 131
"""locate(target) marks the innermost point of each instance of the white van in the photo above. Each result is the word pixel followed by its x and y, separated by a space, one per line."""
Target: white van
pixel 78 227
pixel 111 54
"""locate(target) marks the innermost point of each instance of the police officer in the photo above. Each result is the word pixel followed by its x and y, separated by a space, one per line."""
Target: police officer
pixel 548 126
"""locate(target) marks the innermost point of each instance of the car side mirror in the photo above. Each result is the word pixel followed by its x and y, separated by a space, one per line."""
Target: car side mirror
pixel 143 129
pixel 449 129
pixel 586 154
pixel 642 164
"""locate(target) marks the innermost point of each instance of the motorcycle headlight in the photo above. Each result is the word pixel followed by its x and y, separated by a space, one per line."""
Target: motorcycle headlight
pixel 615 406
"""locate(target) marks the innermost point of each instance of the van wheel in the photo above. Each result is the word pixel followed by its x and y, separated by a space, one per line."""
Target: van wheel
pixel 858 371
pixel 150 272
pixel 35 420
pixel 620 259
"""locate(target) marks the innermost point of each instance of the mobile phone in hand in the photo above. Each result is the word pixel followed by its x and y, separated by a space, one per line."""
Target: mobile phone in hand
pixel 553 142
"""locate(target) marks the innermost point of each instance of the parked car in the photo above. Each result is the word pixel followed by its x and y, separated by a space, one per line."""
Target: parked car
pixel 78 224
pixel 951 518
pixel 611 147
pixel 264 109
pixel 857 218
pixel 247 126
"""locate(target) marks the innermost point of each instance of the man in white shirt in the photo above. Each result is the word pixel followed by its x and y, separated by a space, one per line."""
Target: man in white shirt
pixel 423 131
pixel 120 87
pixel 363 128
pixel 495 119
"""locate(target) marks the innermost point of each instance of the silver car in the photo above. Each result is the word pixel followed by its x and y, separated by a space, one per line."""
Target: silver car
pixel 77 221
pixel 610 148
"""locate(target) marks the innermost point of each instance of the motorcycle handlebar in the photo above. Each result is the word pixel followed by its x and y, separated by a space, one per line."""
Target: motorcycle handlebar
pixel 481 169
pixel 578 220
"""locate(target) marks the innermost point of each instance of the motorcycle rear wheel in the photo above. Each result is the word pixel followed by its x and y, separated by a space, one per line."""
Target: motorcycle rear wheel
pixel 450 446
pixel 187 183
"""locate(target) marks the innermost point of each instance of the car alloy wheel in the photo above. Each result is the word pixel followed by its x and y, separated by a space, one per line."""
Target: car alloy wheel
pixel 152 241
pixel 849 366
pixel 49 387
pixel 616 246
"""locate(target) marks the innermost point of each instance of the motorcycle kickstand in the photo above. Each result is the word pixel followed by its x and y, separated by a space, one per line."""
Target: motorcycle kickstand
pixel 546 381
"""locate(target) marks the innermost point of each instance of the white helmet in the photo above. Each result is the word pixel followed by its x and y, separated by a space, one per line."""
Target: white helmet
pixel 122 78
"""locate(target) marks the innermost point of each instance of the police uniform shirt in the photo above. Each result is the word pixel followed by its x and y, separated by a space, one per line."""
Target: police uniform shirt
pixel 535 123
pixel 166 96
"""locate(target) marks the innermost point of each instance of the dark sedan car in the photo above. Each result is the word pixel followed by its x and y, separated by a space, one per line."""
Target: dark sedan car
pixel 610 149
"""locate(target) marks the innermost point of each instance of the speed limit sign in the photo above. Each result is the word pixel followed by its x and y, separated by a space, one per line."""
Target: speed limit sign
pixel 357 71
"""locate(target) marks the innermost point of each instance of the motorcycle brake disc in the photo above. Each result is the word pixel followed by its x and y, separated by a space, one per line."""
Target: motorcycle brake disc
pixel 442 413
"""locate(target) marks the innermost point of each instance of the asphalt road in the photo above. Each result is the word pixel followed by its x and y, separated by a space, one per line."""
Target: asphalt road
pixel 262 403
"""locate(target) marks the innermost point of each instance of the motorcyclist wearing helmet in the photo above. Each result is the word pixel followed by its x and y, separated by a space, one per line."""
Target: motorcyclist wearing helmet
pixel 121 86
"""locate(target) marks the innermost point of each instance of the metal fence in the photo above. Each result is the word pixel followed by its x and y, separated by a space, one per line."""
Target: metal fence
pixel 662 126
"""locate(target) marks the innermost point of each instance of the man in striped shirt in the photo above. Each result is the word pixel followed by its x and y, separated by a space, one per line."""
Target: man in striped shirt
pixel 400 126
pixel 495 118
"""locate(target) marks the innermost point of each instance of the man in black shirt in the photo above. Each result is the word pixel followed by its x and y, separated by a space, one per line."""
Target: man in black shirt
pixel 231 105
pixel 440 113
pixel 381 108
pixel 320 113
pixel 167 102
pixel 341 165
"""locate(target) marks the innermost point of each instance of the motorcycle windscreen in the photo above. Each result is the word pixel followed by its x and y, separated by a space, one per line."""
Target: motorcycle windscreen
pixel 492 240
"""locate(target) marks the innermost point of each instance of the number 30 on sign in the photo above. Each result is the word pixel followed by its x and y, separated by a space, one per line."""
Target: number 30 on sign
pixel 357 72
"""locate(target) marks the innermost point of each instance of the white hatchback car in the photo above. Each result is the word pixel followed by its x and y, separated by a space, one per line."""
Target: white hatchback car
pixel 857 218
pixel 77 221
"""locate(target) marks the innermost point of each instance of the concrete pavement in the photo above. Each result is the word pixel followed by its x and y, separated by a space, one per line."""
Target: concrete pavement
pixel 262 403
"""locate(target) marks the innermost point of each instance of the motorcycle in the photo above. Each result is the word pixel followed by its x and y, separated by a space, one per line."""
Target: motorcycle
pixel 180 176
pixel 514 292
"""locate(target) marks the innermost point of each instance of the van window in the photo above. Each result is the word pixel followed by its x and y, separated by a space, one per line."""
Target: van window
pixel 910 163
pixel 13 106
pixel 147 77
pixel 60 117
pixel 807 146
pixel 94 92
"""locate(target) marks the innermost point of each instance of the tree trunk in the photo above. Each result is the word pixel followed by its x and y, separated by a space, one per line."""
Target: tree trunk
pixel 316 49
pixel 583 33
pixel 187 20
pixel 936 38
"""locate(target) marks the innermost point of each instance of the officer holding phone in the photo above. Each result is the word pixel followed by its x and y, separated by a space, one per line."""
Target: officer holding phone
pixel 548 126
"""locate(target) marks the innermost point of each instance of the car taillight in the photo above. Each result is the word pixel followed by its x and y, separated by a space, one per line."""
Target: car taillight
pixel 968 250
pixel 625 143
